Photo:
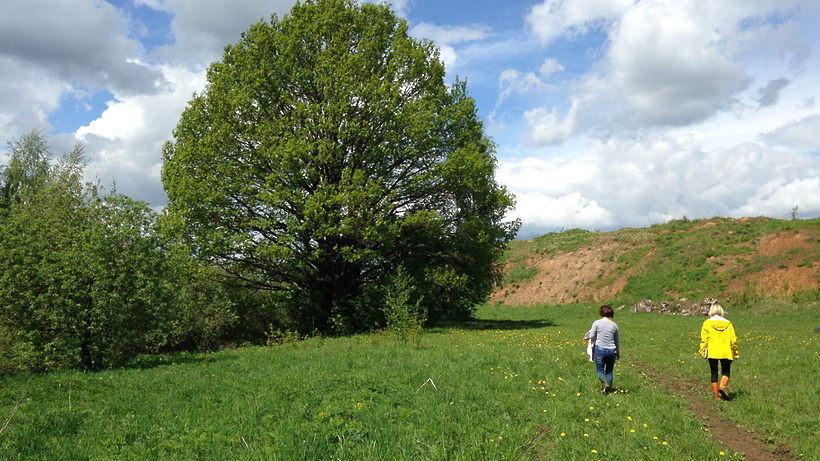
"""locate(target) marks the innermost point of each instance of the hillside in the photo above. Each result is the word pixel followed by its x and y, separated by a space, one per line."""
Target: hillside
pixel 734 260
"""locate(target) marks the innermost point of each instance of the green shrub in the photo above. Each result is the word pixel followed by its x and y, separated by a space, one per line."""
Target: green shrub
pixel 751 295
pixel 277 337
pixel 404 319
pixel 806 296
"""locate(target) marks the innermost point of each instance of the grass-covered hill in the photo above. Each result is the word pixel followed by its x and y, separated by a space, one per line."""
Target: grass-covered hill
pixel 737 261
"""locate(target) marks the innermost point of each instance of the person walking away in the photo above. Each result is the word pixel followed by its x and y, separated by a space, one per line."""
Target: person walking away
pixel 718 344
pixel 605 337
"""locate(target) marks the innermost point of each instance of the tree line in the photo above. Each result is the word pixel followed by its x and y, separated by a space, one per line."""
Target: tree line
pixel 87 278
pixel 327 180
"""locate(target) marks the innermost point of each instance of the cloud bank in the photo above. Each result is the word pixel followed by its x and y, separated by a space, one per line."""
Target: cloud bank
pixel 606 113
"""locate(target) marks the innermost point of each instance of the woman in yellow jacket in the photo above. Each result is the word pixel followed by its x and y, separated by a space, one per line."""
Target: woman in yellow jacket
pixel 718 344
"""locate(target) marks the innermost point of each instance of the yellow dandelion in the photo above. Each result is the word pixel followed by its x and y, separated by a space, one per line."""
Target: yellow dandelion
pixel 586 420
pixel 629 418
pixel 664 442
pixel 562 434
pixel 722 453
pixel 632 430
pixel 595 451
pixel 578 394
pixel 586 435
pixel 645 425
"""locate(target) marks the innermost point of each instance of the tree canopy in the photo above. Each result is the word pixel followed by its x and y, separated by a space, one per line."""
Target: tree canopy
pixel 326 153
pixel 29 167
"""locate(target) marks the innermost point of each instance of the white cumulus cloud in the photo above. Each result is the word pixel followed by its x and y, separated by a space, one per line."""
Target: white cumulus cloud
pixel 559 18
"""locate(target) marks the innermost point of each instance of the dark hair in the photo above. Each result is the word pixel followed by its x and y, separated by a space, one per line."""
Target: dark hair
pixel 606 311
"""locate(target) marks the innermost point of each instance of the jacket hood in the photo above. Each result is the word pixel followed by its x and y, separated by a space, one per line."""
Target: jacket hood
pixel 718 324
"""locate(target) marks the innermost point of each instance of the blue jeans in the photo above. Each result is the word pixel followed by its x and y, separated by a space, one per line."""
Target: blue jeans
pixel 604 362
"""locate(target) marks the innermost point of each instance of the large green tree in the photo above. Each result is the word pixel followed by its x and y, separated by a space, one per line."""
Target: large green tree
pixel 327 152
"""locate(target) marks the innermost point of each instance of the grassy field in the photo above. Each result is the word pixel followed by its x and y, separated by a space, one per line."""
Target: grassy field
pixel 520 388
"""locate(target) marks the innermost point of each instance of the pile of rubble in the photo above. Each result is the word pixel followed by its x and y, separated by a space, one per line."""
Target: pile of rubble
pixel 679 308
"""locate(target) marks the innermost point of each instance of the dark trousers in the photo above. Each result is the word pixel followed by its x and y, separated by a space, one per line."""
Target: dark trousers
pixel 725 366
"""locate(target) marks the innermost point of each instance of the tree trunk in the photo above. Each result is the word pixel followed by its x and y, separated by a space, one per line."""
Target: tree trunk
pixel 341 284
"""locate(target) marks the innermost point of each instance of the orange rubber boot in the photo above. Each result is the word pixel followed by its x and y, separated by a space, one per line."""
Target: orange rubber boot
pixel 716 391
pixel 724 381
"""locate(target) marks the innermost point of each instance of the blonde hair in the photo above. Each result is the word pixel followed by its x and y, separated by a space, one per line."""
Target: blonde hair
pixel 716 310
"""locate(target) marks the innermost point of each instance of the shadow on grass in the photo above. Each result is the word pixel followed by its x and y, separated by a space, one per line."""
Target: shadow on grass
pixel 143 362
pixel 736 394
pixel 495 324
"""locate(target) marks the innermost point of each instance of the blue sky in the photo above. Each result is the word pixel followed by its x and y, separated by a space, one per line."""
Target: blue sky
pixel 606 113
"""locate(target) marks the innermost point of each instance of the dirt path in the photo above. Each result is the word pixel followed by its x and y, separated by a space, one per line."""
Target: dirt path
pixel 727 432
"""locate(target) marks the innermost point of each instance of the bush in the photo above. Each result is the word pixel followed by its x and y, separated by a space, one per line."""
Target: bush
pixel 278 337
pixel 404 319
pixel 806 296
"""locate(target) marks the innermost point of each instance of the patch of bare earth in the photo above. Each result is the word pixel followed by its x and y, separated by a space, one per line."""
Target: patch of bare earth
pixel 790 275
pixel 564 278
pixel 726 432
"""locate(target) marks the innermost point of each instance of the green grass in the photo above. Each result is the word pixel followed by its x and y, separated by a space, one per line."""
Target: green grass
pixel 565 241
pixel 520 387
pixel 521 273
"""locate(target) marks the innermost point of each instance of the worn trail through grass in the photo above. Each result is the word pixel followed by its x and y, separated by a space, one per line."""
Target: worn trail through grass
pixel 744 441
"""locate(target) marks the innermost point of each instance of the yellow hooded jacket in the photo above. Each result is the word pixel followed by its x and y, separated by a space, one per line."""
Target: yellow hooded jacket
pixel 718 339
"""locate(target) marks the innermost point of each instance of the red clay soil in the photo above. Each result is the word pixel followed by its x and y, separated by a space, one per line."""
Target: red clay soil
pixel 788 277
pixel 564 278
pixel 726 432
